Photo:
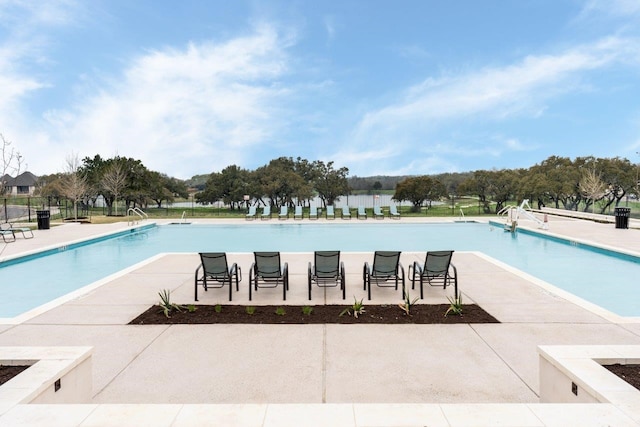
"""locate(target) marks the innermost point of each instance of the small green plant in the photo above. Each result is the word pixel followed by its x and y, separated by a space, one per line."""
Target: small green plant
pixel 165 303
pixel 408 303
pixel 217 308
pixel 357 308
pixel 307 310
pixel 455 307
pixel 250 310
pixel 280 311
pixel 191 308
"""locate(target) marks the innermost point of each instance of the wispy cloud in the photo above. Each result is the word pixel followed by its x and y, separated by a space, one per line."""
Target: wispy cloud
pixel 185 111
pixel 520 90
pixel 330 27
pixel 615 8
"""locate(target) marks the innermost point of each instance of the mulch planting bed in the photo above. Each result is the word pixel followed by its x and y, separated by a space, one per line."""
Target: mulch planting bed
pixel 387 314
pixel 629 373
pixel 8 372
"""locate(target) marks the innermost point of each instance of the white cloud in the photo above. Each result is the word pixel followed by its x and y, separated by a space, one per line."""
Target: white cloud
pixel 183 111
pixel 490 94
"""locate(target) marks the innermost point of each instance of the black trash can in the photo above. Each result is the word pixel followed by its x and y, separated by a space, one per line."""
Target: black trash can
pixel 622 217
pixel 43 219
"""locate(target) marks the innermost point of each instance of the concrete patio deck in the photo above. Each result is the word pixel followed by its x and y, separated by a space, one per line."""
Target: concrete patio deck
pixel 382 369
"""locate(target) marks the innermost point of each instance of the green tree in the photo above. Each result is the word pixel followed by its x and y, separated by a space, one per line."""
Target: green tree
pixel 280 182
pixel 619 175
pixel 230 186
pixel 419 189
pixel 330 183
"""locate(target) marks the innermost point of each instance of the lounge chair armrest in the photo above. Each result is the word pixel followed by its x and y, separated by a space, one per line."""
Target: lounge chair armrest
pixel 285 269
pixel 198 269
pixel 236 270
pixel 310 268
pixel 401 268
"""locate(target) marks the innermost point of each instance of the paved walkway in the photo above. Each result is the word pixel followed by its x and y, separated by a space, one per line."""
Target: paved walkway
pixel 254 364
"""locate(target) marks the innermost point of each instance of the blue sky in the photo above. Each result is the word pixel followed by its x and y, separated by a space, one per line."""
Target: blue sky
pixel 382 87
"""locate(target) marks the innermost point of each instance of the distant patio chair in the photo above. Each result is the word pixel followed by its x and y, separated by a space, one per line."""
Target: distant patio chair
pixel 330 212
pixel 267 272
pixel 266 212
pixel 393 212
pixel 313 212
pixel 252 213
pixel 362 212
pixel 346 213
pixel 377 212
pixel 214 272
pixel 386 267
pixel 7 226
pixel 326 271
pixel 298 213
pixel 284 213
pixel 437 270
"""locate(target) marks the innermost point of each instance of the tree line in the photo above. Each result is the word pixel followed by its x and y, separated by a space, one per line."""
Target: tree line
pixel 588 183
pixel 118 178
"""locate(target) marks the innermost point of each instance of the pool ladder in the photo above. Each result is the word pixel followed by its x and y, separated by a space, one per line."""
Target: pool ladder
pixel 134 215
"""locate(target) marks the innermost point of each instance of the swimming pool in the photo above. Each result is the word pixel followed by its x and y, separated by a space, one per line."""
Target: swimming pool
pixel 583 272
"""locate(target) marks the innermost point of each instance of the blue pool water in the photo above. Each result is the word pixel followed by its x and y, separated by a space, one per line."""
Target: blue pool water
pixel 606 280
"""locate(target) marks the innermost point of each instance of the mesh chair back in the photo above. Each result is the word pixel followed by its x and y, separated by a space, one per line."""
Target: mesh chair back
pixel 267 264
pixel 327 264
pixel 214 264
pixel 385 263
pixel 437 263
pixel 330 211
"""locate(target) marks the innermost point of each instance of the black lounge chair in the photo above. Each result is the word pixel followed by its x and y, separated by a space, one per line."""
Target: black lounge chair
pixel 266 272
pixel 326 271
pixel 215 273
pixel 386 267
pixel 437 270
